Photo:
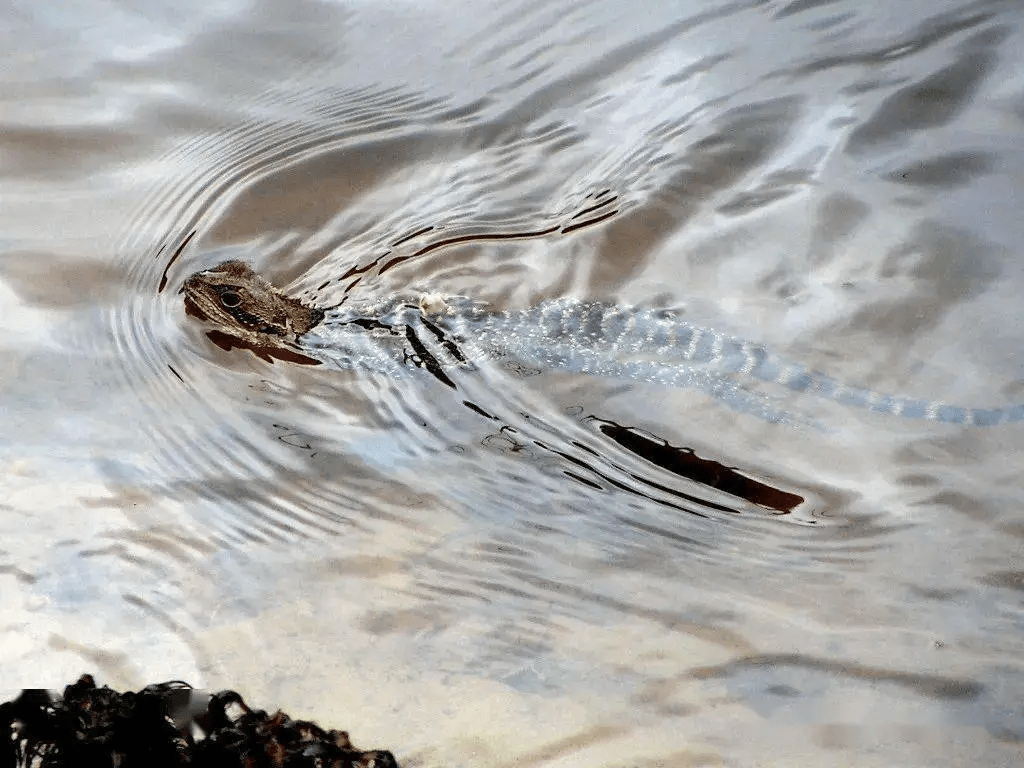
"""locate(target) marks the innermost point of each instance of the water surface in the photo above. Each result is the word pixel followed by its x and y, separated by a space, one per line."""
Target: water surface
pixel 513 571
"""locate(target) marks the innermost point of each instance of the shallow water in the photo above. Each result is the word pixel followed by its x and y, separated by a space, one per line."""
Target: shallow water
pixel 532 579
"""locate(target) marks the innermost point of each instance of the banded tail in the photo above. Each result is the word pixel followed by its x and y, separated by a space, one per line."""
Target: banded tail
pixel 627 342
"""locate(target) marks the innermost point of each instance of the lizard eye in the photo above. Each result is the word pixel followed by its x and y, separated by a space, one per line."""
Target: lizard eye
pixel 230 299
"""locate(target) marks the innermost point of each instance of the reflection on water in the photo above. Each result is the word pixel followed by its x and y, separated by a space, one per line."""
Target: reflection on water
pixel 526 564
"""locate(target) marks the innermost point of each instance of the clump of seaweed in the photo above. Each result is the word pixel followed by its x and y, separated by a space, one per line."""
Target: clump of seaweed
pixel 166 724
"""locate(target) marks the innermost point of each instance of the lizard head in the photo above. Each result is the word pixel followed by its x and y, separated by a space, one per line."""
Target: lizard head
pixel 242 304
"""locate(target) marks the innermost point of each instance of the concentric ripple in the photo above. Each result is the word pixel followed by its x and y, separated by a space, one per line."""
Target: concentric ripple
pixel 471 211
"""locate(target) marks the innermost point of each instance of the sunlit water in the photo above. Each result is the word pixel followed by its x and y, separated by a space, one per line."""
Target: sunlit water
pixel 511 568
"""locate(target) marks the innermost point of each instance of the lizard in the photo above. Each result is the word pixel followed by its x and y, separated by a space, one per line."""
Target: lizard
pixel 592 337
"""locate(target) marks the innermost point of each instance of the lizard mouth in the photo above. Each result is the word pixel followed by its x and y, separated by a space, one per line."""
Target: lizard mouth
pixel 188 287
pixel 192 309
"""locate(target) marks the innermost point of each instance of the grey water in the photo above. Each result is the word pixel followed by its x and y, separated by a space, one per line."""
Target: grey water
pixel 514 563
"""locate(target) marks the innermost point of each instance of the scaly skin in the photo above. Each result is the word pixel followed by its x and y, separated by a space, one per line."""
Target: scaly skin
pixel 242 304
pixel 588 337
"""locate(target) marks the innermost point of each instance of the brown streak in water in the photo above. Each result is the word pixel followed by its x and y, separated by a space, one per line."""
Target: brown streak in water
pixel 485 237
pixel 467 239
pixel 593 208
pixel 581 479
pixel 265 352
pixel 477 409
pixel 680 494
pixel 660 486
pixel 587 448
pixel 644 480
pixel 624 487
pixel 357 270
pixel 686 463
pixel 174 258
pixel 426 359
pixel 573 227
pixel 393 263
pixel 450 346
pixel 407 238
